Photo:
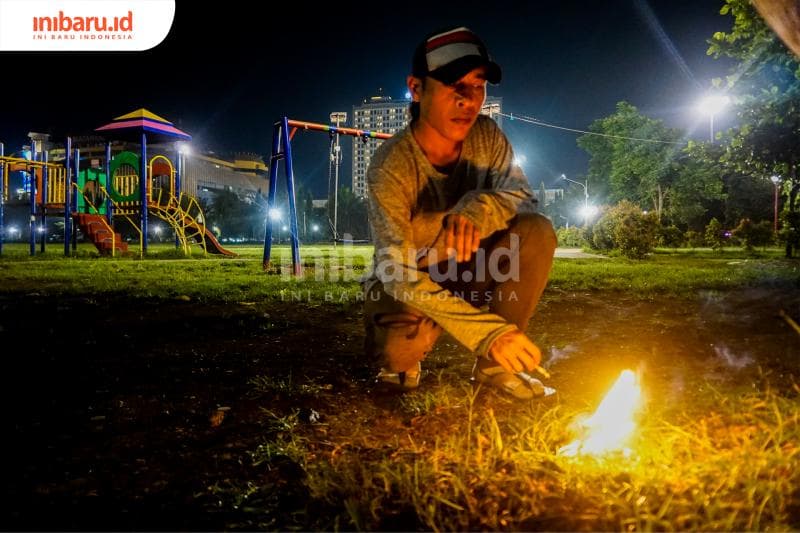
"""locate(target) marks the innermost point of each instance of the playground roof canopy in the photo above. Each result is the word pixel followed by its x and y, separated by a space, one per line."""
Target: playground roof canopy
pixel 130 127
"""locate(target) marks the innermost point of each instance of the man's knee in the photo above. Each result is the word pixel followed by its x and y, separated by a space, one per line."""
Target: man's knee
pixel 536 227
pixel 400 340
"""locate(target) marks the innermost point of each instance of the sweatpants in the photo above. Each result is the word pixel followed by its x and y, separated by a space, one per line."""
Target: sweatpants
pixel 399 336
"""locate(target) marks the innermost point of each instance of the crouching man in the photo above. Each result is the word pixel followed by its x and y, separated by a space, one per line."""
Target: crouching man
pixel 458 245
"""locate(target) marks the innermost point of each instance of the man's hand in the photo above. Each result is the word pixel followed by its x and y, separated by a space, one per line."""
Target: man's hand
pixel 515 352
pixel 461 237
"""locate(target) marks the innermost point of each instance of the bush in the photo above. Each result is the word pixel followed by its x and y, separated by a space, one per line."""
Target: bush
pixel 694 239
pixel 601 234
pixel 715 237
pixel 751 234
pixel 670 236
pixel 572 237
pixel 635 235
pixel 626 228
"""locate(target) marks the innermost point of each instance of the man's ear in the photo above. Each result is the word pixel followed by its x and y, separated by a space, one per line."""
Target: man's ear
pixel 414 87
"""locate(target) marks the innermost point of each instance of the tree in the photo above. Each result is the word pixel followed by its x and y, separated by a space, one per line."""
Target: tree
pixel 234 217
pixel 698 187
pixel 624 166
pixel 766 82
pixel 304 203
pixel 353 218
pixel 714 234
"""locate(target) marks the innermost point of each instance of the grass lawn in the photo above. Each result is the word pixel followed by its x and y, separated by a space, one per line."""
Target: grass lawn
pixel 210 394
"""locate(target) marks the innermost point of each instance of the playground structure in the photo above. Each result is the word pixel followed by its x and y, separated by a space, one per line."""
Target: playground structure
pixel 282 151
pixel 128 186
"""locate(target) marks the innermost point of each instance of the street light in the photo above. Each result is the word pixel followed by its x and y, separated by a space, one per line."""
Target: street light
pixel 775 179
pixel 337 117
pixel 586 211
pixel 275 215
pixel 712 105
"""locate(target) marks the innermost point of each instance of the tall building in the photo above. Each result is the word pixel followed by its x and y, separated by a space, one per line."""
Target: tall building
pixel 377 113
pixel 382 114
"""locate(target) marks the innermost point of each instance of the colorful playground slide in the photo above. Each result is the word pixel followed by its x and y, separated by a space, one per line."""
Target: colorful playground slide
pixel 212 244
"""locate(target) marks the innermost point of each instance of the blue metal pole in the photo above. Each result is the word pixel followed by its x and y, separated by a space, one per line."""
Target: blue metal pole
pixel 296 267
pixel 32 181
pixel 273 183
pixel 44 201
pixel 143 192
pixel 67 196
pixel 76 161
pixel 2 198
pixel 109 207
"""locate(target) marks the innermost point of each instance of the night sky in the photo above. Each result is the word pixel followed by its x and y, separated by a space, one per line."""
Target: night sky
pixel 224 75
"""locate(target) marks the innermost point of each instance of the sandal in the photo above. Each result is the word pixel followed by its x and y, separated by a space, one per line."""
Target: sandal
pixel 490 373
pixel 401 381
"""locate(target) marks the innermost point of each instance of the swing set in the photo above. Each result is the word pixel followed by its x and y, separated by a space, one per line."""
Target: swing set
pixel 283 132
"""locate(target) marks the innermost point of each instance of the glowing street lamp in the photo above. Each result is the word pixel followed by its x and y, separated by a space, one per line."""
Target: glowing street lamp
pixel 275 214
pixel 587 210
pixel 775 181
pixel 712 105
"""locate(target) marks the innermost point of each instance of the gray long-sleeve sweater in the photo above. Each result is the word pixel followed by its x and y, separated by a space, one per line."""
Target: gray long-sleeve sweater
pixel 408 200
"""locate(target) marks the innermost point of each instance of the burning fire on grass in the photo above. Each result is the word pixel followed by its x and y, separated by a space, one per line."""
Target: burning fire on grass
pixel 612 424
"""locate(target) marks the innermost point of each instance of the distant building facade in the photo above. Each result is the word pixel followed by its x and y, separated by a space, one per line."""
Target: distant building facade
pixel 385 115
pixel 246 175
pixel 550 196
pixel 203 174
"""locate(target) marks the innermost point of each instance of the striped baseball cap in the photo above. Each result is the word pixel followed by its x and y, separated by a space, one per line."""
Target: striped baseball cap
pixel 450 54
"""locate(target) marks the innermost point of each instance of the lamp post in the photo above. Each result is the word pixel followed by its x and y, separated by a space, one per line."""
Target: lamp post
pixel 337 117
pixel 712 105
pixel 775 179
pixel 586 210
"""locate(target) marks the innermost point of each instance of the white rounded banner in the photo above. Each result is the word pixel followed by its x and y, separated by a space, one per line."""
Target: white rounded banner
pixel 84 25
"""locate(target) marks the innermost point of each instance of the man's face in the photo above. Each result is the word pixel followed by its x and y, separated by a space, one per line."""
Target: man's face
pixel 452 109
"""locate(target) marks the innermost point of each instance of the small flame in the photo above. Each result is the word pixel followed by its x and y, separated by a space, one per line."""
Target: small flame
pixel 612 423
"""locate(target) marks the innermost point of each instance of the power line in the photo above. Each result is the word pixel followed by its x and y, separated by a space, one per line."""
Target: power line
pixel 536 122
